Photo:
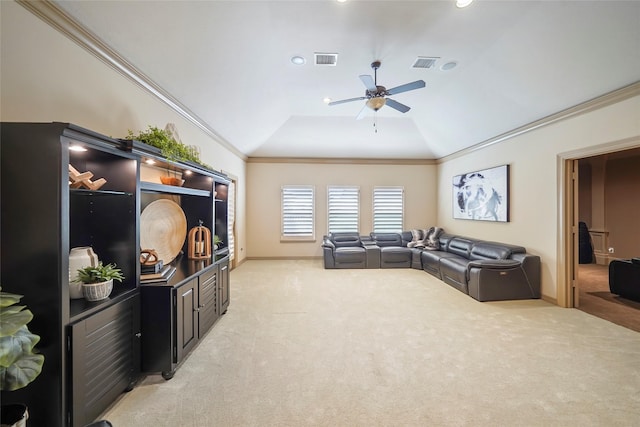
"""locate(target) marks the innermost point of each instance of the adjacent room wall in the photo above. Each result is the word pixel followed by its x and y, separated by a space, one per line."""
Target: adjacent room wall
pixel 46 77
pixel 264 181
pixel 536 181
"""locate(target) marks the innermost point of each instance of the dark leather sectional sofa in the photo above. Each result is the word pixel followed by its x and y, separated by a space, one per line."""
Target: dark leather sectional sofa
pixel 485 270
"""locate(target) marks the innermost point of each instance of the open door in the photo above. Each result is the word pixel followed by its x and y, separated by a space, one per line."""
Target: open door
pixel 571 227
pixel 575 233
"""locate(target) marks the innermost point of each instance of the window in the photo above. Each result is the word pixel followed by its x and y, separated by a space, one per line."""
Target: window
pixel 343 209
pixel 298 212
pixel 231 219
pixel 388 209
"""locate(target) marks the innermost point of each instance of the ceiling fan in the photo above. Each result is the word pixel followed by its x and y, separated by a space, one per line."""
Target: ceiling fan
pixel 376 95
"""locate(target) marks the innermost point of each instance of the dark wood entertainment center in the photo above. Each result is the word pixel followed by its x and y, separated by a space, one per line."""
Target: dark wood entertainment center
pixel 94 351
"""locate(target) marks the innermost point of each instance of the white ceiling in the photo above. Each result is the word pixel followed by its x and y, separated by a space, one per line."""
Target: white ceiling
pixel 229 63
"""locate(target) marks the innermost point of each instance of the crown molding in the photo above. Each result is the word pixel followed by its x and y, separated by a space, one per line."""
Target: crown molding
pixel 336 161
pixel 605 100
pixel 53 15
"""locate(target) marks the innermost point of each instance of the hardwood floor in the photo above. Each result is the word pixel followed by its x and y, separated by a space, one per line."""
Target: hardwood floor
pixel 595 298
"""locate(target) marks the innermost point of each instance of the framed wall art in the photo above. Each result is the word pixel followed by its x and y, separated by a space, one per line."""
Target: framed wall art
pixel 482 195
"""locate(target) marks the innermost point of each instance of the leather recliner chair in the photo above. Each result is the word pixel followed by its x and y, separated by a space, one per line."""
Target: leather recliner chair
pixel 624 278
pixel 343 250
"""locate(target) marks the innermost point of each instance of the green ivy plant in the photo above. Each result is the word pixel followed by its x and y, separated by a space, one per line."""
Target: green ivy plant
pixel 100 273
pixel 169 147
pixel 19 362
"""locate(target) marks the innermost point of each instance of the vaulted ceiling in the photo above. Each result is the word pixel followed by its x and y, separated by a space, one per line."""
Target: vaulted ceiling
pixel 228 62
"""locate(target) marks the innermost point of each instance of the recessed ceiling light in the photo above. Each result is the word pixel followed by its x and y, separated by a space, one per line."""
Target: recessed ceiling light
pixel 463 3
pixel 341 1
pixel 326 100
pixel 449 66
pixel 298 60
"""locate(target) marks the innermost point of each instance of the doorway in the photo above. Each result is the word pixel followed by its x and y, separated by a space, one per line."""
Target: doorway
pixel 588 188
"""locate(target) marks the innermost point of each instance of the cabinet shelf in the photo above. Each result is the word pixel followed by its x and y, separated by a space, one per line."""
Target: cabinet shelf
pixel 84 192
pixel 81 308
pixel 172 189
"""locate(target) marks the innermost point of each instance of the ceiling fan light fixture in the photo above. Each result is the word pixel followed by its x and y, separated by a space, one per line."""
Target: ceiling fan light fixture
pixel 376 103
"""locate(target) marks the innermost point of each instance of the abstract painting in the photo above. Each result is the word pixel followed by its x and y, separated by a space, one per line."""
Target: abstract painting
pixel 482 195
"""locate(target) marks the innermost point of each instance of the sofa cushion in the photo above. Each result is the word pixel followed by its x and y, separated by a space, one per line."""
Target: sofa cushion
pixel 387 239
pixel 341 240
pixel 395 256
pixel 350 254
pixel 460 246
pixel 431 261
pixel 486 250
pixel 453 270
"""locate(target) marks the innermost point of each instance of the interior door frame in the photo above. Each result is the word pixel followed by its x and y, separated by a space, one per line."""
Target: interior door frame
pixel 567 249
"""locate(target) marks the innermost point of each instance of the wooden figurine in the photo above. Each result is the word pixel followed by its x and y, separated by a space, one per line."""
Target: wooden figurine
pixel 77 180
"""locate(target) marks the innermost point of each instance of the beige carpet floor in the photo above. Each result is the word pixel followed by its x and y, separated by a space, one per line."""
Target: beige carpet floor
pixel 304 346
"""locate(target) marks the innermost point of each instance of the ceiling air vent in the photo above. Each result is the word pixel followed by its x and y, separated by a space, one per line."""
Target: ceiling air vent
pixel 326 58
pixel 425 62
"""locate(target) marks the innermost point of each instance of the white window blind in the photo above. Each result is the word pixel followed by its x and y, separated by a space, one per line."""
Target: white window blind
pixel 231 217
pixel 343 209
pixel 298 212
pixel 388 209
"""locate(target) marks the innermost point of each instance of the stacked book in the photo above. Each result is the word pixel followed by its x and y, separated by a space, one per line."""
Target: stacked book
pixel 156 272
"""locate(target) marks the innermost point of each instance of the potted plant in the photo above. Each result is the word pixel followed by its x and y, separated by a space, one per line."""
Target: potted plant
pixel 20 363
pixel 168 146
pixel 216 241
pixel 97 282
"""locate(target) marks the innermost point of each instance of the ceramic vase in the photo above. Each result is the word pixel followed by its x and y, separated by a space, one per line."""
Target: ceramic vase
pixel 79 258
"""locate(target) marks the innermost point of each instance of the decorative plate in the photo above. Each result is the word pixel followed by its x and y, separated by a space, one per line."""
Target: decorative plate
pixel 163 227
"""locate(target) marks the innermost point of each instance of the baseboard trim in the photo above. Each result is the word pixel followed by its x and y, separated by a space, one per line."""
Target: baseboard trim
pixel 284 258
pixel 549 299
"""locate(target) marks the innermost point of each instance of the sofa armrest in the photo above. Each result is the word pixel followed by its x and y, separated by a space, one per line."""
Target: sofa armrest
pixel 327 243
pixel 494 263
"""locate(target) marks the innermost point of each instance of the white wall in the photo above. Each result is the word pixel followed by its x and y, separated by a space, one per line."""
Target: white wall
pixel 535 181
pixel 264 181
pixel 46 77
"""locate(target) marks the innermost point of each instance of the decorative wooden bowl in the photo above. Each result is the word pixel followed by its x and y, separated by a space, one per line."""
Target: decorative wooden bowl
pixel 172 180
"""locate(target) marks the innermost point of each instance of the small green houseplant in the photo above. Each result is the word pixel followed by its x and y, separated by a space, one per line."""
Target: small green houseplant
pixel 169 147
pixel 100 273
pixel 20 363
pixel 97 282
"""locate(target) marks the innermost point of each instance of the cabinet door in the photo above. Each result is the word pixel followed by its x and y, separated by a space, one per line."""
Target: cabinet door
pixel 187 318
pixel 105 359
pixel 208 308
pixel 224 286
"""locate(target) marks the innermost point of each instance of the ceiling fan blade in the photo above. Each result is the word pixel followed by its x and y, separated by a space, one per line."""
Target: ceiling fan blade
pixel 362 112
pixel 397 106
pixel 346 100
pixel 406 87
pixel 368 82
